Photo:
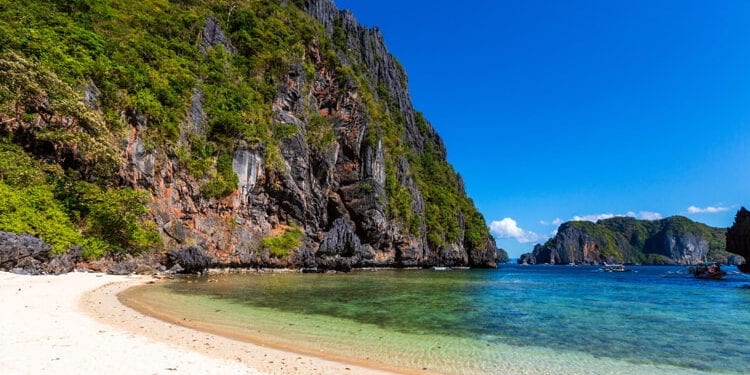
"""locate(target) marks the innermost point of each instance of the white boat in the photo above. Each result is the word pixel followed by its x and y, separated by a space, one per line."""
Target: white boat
pixel 614 268
pixel 440 268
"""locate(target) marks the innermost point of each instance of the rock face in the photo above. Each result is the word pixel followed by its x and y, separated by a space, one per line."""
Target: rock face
pixel 674 240
pixel 336 192
pixel 269 134
pixel 738 237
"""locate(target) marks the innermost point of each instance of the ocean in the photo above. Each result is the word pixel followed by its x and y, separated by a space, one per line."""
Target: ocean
pixel 515 319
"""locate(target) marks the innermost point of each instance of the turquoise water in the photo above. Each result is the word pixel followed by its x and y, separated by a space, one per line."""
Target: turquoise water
pixel 535 319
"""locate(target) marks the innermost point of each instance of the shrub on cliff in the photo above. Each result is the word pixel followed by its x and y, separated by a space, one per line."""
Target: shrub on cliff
pixel 281 245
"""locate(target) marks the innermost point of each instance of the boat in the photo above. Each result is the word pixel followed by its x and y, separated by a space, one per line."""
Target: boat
pixel 439 268
pixel 707 270
pixel 614 268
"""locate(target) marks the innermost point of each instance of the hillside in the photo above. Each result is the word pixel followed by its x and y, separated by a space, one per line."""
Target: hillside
pixel 264 133
pixel 674 240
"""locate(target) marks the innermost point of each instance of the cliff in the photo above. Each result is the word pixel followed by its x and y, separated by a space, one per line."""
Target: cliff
pixel 674 240
pixel 263 133
pixel 738 237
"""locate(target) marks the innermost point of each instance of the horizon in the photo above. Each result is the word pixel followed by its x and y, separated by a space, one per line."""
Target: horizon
pixel 559 111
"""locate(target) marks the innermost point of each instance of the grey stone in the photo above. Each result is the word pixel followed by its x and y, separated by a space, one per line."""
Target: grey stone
pixel 122 268
pixel 213 36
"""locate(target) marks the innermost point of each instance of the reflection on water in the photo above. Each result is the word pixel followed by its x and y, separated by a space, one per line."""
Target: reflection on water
pixel 535 319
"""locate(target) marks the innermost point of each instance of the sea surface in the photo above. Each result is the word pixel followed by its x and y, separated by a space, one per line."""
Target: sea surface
pixel 515 319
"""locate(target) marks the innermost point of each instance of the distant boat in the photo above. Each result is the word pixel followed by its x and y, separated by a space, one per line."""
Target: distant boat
pixel 440 268
pixel 707 270
pixel 614 268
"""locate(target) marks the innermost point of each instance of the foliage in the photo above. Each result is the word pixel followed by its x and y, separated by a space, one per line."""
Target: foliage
pixel 320 132
pixel 224 182
pixel 33 210
pixel 143 58
pixel 281 245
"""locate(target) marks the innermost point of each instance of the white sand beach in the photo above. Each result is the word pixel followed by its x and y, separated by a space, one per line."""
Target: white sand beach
pixel 74 324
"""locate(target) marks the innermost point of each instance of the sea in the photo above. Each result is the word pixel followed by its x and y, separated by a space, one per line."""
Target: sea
pixel 540 319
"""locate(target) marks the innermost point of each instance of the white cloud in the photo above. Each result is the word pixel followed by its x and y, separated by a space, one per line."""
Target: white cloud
pixel 706 210
pixel 557 221
pixel 647 215
pixel 643 215
pixel 508 228
pixel 594 217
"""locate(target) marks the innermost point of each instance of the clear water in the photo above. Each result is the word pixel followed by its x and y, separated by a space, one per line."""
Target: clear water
pixel 535 319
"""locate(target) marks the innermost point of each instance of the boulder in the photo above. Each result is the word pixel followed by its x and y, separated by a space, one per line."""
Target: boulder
pixel 122 268
pixel 190 259
pixel 65 262
pixel 24 252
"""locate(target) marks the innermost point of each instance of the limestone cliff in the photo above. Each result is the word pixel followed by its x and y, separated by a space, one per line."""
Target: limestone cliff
pixel 674 240
pixel 292 140
pixel 738 237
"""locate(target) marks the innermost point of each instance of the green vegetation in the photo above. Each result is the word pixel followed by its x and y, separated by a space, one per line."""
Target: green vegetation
pixel 281 245
pixel 39 199
pixel 223 182
pixel 143 58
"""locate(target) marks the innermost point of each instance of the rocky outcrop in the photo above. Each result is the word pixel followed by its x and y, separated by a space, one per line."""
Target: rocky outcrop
pixel 336 191
pixel 29 255
pixel 674 240
pixel 213 36
pixel 323 141
pixel 188 260
pixel 738 237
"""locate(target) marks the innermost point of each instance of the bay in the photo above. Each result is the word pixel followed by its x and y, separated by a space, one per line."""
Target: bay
pixel 518 319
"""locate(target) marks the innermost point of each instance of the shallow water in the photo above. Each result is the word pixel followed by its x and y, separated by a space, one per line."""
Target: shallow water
pixel 535 319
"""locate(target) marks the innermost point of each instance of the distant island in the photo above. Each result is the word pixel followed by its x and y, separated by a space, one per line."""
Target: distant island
pixel 673 240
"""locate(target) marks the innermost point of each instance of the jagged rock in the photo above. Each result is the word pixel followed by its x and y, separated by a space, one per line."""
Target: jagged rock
pixel 122 268
pixel 65 262
pixel 23 251
pixel 91 95
pixel 190 259
pixel 213 36
pixel 340 240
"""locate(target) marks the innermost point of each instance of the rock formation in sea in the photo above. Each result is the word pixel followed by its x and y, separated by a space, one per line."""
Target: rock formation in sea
pixel 277 134
pixel 674 240
pixel 738 237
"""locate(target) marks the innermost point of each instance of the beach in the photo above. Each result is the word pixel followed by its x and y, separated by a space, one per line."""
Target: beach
pixel 74 323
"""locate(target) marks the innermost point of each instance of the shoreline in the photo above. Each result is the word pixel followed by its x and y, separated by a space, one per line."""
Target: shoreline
pixel 260 353
pixel 75 323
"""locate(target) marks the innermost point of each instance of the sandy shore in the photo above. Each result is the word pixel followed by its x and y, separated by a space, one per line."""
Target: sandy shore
pixel 74 323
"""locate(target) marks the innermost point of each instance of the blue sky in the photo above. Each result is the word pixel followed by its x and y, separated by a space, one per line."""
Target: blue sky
pixel 553 110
